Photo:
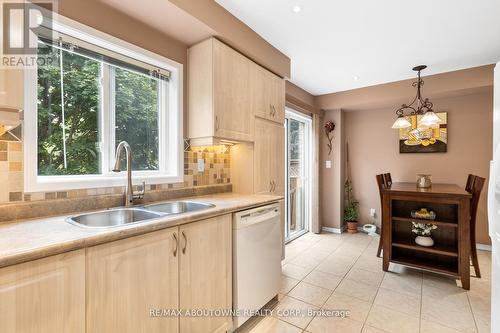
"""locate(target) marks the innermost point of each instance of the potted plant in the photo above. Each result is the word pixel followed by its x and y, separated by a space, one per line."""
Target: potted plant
pixel 351 209
pixel 423 232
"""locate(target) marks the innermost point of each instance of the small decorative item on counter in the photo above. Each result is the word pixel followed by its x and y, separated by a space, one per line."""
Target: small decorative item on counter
pixel 423 213
pixel 423 232
pixel 329 127
pixel 424 181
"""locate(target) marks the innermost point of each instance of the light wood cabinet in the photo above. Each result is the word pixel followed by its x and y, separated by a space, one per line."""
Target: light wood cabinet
pixel 268 94
pixel 11 88
pixel 128 278
pixel 45 295
pixel 219 99
pixel 206 272
pixel 269 157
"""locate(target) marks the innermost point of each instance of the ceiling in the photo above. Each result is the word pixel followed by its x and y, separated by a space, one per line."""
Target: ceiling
pixel 342 45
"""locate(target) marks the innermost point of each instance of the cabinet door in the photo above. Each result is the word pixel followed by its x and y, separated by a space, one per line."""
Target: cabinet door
pixel 206 273
pixel 277 98
pixel 129 278
pixel 268 94
pixel 11 88
pixel 232 110
pixel 269 157
pixel 45 295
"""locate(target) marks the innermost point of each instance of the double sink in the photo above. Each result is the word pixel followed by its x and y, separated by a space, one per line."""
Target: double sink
pixel 125 216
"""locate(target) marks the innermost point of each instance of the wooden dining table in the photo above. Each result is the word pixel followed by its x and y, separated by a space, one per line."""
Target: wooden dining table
pixel 451 250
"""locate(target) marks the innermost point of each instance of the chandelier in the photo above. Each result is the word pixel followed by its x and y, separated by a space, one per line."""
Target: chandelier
pixel 418 106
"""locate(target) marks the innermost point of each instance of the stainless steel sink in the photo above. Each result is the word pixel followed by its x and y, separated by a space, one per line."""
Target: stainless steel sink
pixel 178 207
pixel 113 217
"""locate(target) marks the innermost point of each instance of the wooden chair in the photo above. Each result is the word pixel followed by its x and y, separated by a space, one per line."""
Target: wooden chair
pixel 474 186
pixel 383 180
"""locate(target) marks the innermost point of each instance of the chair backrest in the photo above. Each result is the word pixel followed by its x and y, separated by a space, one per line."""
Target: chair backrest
pixel 380 182
pixel 470 183
pixel 387 179
pixel 476 189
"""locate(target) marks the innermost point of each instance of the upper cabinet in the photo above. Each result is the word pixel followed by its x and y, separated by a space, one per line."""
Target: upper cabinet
pixel 11 88
pixel 226 92
pixel 268 94
pixel 219 98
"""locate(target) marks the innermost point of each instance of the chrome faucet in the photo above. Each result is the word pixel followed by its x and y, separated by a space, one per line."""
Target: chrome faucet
pixel 130 195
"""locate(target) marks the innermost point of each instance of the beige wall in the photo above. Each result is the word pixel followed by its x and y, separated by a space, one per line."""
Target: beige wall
pixel 374 148
pixel 332 179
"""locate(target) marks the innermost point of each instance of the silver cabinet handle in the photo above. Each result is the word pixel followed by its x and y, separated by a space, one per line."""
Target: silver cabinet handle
pixel 185 243
pixel 270 186
pixel 274 185
pixel 176 244
pixel 274 111
pixel 270 110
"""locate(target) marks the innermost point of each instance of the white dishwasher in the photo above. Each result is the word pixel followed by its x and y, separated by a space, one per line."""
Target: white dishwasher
pixel 256 259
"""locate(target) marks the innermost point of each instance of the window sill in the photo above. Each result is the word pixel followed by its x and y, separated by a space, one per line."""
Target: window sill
pixel 66 183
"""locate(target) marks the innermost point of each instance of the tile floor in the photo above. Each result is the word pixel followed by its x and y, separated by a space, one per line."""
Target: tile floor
pixel 342 272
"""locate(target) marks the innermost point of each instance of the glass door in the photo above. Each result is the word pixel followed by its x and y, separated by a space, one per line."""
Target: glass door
pixel 298 168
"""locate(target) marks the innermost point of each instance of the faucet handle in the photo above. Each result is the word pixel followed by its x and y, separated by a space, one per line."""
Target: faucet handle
pixel 140 194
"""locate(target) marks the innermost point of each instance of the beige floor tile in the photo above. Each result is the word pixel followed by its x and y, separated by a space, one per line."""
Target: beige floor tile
pixel 324 280
pixel 404 282
pixel 307 260
pixel 369 263
pixel 294 312
pixel 369 329
pixel 274 325
pixel 358 309
pixel 392 321
pixel 332 266
pixel 451 316
pixel 310 294
pixel 334 325
pixel 287 284
pixel 364 276
pixel 483 323
pixel 406 303
pixel 481 305
pixel 431 327
pixel 361 291
pixel 294 271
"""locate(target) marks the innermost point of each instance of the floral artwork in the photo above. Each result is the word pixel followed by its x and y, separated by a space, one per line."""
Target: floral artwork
pixel 329 128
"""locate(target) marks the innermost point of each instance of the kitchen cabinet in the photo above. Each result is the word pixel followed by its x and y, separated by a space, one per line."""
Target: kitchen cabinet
pixel 205 271
pixel 45 295
pixel 126 279
pixel 11 88
pixel 268 94
pixel 269 157
pixel 219 98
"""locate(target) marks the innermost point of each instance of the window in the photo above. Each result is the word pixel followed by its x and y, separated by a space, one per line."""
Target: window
pixel 95 92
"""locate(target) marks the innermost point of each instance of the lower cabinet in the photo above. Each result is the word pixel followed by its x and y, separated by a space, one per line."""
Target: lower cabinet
pixel 129 278
pixel 44 296
pixel 206 273
pixel 186 268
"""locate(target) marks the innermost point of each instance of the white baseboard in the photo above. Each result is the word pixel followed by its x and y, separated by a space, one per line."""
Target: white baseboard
pixel 333 230
pixel 483 247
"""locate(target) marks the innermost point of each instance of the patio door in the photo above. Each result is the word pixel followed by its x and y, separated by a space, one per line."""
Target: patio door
pixel 298 174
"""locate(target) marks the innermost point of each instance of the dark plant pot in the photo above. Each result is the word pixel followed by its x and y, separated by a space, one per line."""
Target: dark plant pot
pixel 352 227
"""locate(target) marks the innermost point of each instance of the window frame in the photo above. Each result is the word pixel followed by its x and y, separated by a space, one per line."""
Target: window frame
pixel 171 165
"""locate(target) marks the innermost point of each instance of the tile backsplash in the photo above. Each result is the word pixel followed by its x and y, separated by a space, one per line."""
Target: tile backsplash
pixel 217 171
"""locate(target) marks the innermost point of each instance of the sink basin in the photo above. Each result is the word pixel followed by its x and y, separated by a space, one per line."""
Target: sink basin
pixel 113 217
pixel 178 207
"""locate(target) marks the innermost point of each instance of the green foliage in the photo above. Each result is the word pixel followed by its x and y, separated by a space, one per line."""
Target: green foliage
pixel 136 119
pixel 81 93
pixel 351 205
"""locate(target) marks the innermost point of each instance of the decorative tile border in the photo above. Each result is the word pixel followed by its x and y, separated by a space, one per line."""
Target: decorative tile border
pixel 217 172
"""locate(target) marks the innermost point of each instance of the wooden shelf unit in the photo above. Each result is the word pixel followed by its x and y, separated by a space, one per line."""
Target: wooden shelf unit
pixel 451 250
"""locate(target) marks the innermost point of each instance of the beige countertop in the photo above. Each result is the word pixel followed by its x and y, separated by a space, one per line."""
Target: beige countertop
pixel 22 241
